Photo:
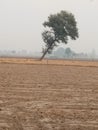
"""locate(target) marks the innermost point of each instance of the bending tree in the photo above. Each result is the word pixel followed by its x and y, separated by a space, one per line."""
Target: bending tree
pixel 59 28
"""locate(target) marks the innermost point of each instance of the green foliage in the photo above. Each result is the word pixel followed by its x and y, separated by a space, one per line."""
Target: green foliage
pixel 59 27
pixel 68 51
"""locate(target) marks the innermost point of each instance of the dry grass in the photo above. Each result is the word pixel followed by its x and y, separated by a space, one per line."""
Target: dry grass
pixel 49 62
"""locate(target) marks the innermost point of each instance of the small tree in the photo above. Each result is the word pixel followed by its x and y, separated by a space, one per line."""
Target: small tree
pixel 60 27
pixel 68 52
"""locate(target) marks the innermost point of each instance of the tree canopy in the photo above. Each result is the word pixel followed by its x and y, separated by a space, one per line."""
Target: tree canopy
pixel 59 28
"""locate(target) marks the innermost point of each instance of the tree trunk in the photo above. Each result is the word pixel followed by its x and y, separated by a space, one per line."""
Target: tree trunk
pixel 45 53
pixel 53 42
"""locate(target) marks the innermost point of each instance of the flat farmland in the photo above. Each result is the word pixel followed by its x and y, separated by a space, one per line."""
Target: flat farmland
pixel 58 95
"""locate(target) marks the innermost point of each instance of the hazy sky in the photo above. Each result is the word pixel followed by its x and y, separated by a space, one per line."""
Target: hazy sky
pixel 21 23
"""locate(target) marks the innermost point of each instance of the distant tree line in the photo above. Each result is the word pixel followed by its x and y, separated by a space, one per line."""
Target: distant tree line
pixel 68 53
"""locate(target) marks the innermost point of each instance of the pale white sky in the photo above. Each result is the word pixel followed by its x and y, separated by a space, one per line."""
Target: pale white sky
pixel 21 23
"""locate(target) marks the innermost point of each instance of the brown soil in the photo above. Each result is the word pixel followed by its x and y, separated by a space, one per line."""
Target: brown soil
pixel 48 97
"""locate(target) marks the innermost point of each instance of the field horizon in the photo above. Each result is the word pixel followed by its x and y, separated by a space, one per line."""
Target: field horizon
pixel 69 62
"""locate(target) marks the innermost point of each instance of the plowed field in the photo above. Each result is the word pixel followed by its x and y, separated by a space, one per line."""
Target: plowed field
pixel 48 97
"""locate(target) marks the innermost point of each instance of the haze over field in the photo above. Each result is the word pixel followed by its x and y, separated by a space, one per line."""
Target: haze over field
pixel 21 23
pixel 56 92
